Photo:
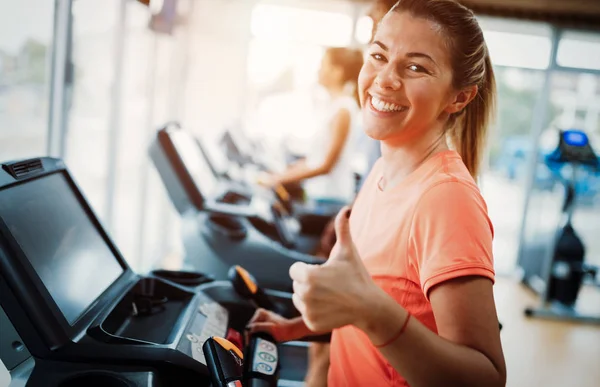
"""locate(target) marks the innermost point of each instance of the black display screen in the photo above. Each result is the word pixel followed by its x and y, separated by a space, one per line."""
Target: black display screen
pixel 202 175
pixel 62 244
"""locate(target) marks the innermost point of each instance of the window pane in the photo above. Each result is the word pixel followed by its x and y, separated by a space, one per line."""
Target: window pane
pixel 579 50
pixel 517 44
pixel 503 183
pixel 281 23
pixel 93 56
pixel 25 45
pixel 518 50
pixel 364 29
pixel 137 97
pixel 575 103
pixel 144 220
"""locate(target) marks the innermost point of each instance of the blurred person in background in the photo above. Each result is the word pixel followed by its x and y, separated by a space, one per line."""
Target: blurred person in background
pixel 327 171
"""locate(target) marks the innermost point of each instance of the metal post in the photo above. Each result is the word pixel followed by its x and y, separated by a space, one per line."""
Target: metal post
pixel 145 167
pixel 57 114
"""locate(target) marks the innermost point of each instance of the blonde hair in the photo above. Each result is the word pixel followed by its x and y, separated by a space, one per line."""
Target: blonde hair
pixel 471 65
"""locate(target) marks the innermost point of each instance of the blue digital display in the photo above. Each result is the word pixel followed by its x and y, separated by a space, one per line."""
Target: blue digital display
pixel 575 138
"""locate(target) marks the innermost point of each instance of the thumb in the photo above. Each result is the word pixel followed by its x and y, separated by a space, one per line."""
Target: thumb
pixel 342 228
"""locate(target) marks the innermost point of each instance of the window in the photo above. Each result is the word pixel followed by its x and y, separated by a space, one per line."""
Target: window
pixel 89 109
pixel 364 28
pixel 144 222
pixel 574 101
pixel 580 50
pixel 510 49
pixel 282 23
pixel 26 30
pixel 509 147
pixel 517 44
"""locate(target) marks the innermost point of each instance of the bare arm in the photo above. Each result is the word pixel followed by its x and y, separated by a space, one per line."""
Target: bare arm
pixel 340 131
pixel 465 352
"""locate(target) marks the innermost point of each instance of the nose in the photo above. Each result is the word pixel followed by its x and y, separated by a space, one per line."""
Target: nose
pixel 388 78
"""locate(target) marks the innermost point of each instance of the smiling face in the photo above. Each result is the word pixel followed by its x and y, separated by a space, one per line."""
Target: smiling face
pixel 406 82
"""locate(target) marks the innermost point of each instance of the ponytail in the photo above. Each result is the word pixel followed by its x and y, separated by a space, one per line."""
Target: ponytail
pixel 470 131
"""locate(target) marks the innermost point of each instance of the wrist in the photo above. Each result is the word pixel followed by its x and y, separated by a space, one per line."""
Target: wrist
pixel 383 318
pixel 299 328
pixel 370 308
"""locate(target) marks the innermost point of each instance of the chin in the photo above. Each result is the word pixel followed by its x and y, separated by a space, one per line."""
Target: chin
pixel 377 133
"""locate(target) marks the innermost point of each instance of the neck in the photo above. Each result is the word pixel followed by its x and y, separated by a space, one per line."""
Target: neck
pixel 402 157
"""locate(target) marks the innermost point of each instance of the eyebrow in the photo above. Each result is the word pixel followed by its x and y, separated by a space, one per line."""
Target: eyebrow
pixel 410 54
pixel 420 55
pixel 383 46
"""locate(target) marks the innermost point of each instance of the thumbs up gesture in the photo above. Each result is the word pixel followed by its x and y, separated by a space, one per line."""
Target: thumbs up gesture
pixel 338 292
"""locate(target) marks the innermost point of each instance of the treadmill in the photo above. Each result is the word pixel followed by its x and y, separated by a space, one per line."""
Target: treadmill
pixel 238 224
pixel 73 313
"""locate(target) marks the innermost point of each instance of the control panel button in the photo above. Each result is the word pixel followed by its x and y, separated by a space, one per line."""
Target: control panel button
pixel 263 368
pixel 265 357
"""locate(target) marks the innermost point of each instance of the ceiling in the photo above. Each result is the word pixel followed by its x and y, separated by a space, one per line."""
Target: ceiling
pixel 571 13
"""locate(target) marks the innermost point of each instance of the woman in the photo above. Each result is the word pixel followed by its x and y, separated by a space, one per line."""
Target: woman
pixel 327 172
pixel 407 289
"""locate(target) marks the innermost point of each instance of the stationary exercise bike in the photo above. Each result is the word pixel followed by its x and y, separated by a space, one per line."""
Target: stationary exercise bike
pixel 565 270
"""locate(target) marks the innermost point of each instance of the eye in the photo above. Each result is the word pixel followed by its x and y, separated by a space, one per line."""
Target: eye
pixel 417 69
pixel 377 57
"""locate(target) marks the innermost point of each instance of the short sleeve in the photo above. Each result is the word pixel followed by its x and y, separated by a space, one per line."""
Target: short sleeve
pixel 451 235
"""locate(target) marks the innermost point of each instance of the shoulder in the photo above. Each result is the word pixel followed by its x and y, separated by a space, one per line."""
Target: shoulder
pixel 451 198
pixel 448 195
pixel 447 179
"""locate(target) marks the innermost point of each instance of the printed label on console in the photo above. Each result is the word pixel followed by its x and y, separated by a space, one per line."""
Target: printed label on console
pixel 265 357
pixel 202 328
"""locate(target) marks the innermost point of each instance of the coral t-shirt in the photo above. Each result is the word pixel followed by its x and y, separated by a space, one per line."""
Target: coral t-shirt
pixel 430 228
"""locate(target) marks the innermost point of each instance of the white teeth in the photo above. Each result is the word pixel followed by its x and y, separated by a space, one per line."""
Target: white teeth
pixel 386 106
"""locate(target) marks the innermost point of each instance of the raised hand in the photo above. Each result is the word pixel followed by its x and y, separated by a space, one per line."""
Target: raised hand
pixel 336 293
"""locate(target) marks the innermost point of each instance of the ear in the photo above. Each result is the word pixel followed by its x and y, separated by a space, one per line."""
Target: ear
pixel 462 99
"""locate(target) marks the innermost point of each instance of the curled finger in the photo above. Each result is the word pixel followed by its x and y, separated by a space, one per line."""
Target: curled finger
pixel 300 289
pixel 299 271
pixel 299 304
pixel 261 315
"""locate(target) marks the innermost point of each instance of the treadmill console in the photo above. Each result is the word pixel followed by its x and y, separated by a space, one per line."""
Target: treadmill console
pixel 574 147
pixel 55 234
pixel 211 319
pixel 71 295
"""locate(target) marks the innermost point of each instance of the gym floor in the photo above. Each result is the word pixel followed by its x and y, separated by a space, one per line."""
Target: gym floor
pixel 547 353
pixel 538 352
